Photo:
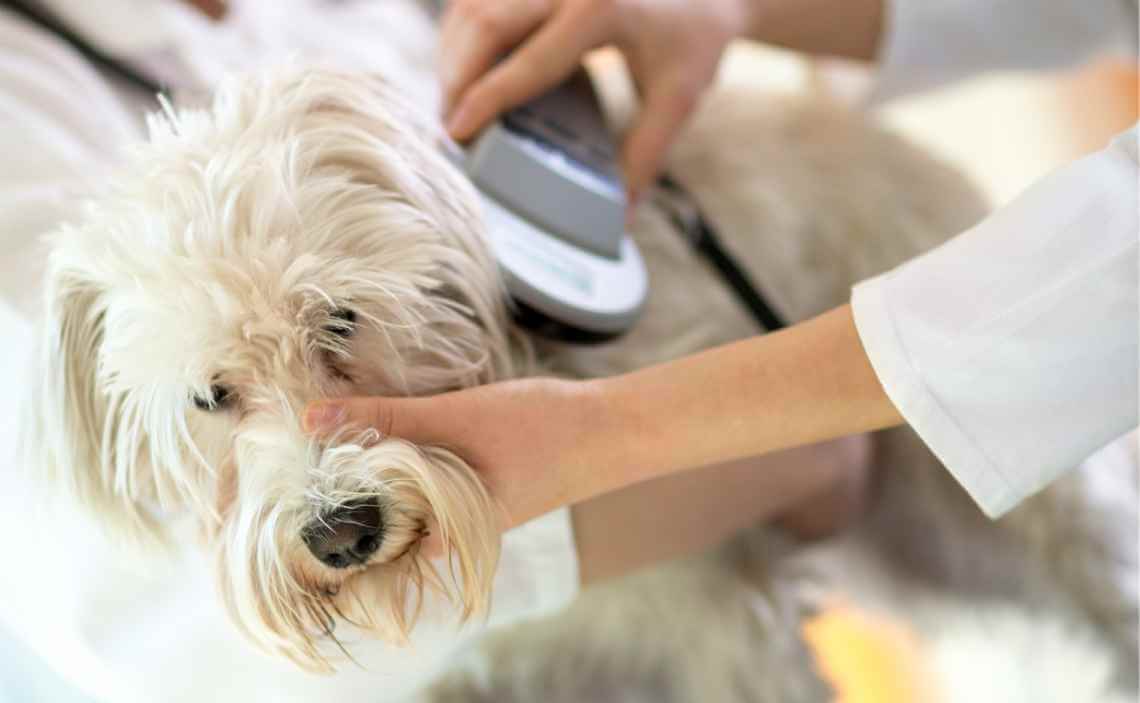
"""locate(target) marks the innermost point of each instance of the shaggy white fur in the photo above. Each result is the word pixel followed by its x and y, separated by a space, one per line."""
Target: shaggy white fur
pixel 239 269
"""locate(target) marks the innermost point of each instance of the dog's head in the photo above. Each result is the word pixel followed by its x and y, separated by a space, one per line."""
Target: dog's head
pixel 302 239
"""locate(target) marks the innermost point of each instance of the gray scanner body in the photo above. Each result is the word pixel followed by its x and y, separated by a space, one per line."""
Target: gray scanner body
pixel 555 208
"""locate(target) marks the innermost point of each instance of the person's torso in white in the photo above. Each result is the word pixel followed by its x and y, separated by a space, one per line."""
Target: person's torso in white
pixel 162 635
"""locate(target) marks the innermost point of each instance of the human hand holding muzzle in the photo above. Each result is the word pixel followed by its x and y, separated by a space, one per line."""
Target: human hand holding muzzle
pixel 533 442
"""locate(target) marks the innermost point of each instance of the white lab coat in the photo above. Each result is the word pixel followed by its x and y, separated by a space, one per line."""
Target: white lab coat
pixel 1012 348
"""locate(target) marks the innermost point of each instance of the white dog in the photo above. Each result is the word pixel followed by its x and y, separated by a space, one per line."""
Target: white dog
pixel 304 238
pixel 259 251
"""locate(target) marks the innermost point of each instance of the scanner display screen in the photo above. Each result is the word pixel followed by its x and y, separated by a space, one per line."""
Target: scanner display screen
pixel 569 122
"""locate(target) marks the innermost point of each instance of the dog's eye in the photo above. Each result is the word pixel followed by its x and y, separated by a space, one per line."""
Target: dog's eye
pixel 220 397
pixel 343 322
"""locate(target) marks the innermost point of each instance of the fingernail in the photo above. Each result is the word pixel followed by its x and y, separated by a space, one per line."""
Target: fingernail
pixel 457 125
pixel 446 104
pixel 323 416
pixel 631 199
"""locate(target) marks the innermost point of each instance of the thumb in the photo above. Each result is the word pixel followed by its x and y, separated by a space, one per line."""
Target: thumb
pixel 391 417
pixel 548 57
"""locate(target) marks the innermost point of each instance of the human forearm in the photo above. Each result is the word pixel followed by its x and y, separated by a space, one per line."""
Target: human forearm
pixel 846 28
pixel 801 385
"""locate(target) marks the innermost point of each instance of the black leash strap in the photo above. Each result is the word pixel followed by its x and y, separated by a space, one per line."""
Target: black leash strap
pixel 689 220
pixel 37 16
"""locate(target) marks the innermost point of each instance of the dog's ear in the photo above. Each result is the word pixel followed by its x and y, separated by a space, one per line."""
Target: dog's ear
pixel 72 431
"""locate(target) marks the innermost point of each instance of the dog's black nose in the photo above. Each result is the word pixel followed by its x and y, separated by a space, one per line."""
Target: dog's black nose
pixel 346 536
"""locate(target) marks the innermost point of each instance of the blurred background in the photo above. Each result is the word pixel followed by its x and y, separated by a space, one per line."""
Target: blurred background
pixel 1005 130
pixel 26 677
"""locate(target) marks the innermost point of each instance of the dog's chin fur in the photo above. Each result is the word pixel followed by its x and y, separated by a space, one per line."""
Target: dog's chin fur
pixel 222 259
pixel 289 603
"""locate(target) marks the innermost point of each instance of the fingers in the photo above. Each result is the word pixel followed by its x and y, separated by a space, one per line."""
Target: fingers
pixel 662 116
pixel 389 417
pixel 214 9
pixel 474 34
pixel 540 63
pixel 431 545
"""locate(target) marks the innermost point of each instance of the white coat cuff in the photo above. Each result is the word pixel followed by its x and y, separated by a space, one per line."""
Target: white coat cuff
pixel 915 402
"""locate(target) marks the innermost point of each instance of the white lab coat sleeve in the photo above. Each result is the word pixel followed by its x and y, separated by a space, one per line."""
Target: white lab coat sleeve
pixel 926 43
pixel 1012 348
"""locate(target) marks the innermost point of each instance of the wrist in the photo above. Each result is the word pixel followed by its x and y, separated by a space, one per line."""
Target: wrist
pixel 609 436
pixel 635 410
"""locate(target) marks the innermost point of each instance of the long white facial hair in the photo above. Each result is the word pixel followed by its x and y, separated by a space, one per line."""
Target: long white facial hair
pixel 110 423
